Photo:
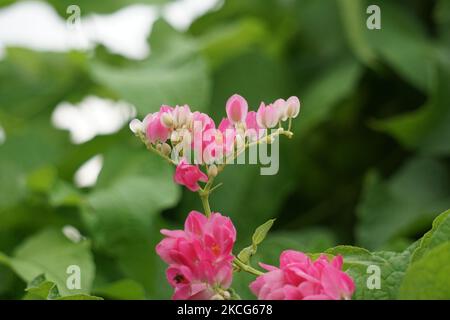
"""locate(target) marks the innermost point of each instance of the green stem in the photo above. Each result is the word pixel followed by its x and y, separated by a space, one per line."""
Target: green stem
pixel 246 267
pixel 205 202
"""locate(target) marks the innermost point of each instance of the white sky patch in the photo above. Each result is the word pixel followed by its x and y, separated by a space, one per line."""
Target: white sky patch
pixel 91 117
pixel 180 14
pixel 124 32
pixel 87 174
pixel 36 25
pixel 2 135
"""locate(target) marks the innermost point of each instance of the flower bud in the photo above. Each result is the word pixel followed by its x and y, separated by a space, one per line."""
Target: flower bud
pixel 136 126
pixel 181 116
pixel 175 137
pixel 280 105
pixel 292 107
pixel 236 108
pixel 165 149
pixel 212 171
pixel 167 120
pixel 267 116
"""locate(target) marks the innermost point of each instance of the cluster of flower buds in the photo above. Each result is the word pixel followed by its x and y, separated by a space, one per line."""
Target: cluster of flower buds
pixel 193 137
pixel 178 130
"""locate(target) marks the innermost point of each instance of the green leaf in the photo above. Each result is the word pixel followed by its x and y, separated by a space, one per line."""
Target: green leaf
pixel 261 232
pixel 392 269
pixel 34 82
pixel 428 278
pixel 122 210
pixel 50 253
pixel 39 288
pixel 404 204
pixel 125 289
pixel 42 289
pixel 354 16
pixel 439 233
pixel 42 179
pixel 324 94
pixel 176 78
pixel 246 254
pixel 425 129
pixel 402 43
pixel 230 40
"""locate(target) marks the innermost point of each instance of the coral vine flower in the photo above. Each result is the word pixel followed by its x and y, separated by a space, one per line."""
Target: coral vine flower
pixel 189 175
pixel 299 278
pixel 199 257
pixel 236 108
pixel 267 116
pixel 155 129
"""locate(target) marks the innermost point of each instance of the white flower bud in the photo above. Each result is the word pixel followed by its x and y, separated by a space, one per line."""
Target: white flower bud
pixel 212 171
pixel 174 137
pixel 165 149
pixel 167 120
pixel 136 125
pixel 293 107
pixel 72 233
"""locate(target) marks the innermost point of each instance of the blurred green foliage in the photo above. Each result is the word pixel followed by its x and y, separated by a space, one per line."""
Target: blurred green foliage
pixel 368 165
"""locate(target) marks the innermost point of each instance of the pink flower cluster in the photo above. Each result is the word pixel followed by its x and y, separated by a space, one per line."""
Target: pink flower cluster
pixel 199 257
pixel 187 135
pixel 299 278
pixel 178 130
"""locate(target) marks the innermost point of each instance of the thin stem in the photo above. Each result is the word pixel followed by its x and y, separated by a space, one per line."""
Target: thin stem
pixel 205 202
pixel 245 267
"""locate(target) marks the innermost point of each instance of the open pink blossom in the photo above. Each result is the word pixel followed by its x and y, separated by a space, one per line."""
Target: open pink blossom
pixel 189 175
pixel 199 257
pixel 300 278
pixel 155 129
pixel 267 116
pixel 236 108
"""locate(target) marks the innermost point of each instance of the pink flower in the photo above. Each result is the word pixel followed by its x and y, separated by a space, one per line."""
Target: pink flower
pixel 254 131
pixel 155 129
pixel 189 175
pixel 199 257
pixel 267 116
pixel 299 278
pixel 236 108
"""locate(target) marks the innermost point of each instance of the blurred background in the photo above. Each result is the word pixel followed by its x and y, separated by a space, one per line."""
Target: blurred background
pixel 368 165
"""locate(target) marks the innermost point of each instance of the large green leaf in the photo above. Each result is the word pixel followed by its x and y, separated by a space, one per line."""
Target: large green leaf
pixel 392 266
pixel 403 204
pixel 179 76
pixel 50 253
pixel 429 278
pixel 425 129
pixel 122 290
pixel 439 233
pixel 34 82
pixel 122 211
pixel 324 93
pixel 402 43
pixel 42 289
